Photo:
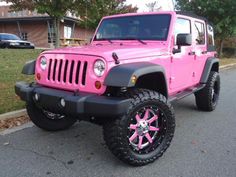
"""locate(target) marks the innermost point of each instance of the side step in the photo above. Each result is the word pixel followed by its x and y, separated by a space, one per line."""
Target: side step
pixel 186 92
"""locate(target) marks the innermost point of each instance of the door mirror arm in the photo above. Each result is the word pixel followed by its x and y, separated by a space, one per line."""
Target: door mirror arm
pixel 178 50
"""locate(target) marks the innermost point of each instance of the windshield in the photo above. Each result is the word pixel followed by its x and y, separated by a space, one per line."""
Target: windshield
pixel 9 37
pixel 142 27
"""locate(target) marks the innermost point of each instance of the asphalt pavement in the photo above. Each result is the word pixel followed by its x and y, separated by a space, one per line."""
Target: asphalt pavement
pixel 204 146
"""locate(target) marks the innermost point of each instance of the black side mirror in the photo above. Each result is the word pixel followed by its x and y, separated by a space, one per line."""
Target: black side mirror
pixel 182 40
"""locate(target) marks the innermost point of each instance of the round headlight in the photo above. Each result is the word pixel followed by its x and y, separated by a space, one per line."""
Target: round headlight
pixel 99 68
pixel 43 63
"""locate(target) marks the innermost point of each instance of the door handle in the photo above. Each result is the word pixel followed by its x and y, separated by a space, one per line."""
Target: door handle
pixel 204 52
pixel 191 53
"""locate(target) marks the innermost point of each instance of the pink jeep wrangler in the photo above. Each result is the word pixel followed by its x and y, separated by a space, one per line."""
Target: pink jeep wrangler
pixel 125 80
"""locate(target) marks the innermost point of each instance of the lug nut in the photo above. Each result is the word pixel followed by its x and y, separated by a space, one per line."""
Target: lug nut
pixel 36 97
pixel 62 102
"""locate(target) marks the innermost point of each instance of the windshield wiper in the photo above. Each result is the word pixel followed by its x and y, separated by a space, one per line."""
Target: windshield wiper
pixel 133 38
pixel 104 39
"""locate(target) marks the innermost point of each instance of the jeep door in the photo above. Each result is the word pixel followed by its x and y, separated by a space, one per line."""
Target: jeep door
pixel 200 48
pixel 182 62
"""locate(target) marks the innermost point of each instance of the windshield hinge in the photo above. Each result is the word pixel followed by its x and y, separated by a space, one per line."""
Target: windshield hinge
pixel 116 58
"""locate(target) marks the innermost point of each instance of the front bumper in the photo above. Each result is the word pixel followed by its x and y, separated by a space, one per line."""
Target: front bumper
pixel 81 105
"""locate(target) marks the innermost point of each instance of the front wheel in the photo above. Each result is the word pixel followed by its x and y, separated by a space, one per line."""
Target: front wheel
pixel 145 132
pixel 47 120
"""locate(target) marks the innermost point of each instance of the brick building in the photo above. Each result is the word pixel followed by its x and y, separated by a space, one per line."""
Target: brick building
pixel 38 28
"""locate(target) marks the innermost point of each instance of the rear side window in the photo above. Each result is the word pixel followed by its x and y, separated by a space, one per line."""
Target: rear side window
pixel 182 26
pixel 210 39
pixel 210 35
pixel 199 33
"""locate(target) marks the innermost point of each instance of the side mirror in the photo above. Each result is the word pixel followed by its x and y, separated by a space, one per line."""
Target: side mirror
pixel 184 39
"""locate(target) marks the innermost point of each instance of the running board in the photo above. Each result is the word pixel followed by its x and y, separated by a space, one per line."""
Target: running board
pixel 185 93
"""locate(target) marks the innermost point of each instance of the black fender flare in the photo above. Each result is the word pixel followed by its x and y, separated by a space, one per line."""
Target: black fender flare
pixel 120 76
pixel 210 63
pixel 29 68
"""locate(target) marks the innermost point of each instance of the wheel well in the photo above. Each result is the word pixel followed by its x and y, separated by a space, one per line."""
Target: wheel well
pixel 215 67
pixel 153 81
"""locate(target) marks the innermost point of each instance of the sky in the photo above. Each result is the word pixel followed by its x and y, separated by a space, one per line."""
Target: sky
pixel 141 4
pixel 2 3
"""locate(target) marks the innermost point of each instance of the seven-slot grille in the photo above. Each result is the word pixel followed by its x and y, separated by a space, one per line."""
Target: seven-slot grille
pixel 67 71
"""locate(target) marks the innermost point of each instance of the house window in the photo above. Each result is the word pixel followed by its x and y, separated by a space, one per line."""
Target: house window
pixel 51 34
pixel 199 33
pixel 24 36
pixel 67 31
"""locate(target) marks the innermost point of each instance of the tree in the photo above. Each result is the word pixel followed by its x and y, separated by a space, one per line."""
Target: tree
pixel 56 9
pixel 220 12
pixel 153 6
pixel 91 11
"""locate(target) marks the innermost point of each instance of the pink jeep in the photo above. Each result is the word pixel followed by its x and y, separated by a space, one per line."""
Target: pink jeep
pixel 125 80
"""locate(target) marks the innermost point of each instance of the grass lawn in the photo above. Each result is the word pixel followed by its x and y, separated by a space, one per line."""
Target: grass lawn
pixel 11 63
pixel 226 61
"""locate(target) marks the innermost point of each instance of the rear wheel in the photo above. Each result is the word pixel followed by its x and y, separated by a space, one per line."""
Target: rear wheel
pixel 145 132
pixel 207 98
pixel 47 120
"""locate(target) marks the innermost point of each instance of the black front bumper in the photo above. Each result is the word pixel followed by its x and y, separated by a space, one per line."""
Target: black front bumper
pixel 81 105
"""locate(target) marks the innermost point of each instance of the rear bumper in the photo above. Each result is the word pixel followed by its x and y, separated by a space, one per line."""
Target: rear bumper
pixel 81 105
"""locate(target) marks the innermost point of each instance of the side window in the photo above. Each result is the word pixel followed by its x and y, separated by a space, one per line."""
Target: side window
pixel 210 33
pixel 199 33
pixel 182 26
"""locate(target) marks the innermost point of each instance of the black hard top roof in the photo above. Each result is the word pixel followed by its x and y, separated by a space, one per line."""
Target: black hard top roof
pixel 191 14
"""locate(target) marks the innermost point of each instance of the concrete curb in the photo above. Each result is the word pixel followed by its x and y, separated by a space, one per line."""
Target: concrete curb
pixel 13 114
pixel 227 66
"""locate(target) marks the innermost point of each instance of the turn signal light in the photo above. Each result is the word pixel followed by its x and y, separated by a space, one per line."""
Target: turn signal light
pixel 38 76
pixel 98 85
pixel 133 79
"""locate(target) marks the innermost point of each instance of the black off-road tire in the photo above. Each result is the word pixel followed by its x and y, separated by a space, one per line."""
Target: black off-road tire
pixel 115 132
pixel 39 118
pixel 208 97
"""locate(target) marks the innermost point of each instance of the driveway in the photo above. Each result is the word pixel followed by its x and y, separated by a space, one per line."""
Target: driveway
pixel 204 145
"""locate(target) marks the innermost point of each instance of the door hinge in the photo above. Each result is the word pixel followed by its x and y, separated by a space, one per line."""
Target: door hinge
pixel 172 79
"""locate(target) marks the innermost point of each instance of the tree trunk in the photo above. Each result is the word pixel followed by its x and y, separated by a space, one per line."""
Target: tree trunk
pixel 221 47
pixel 56 23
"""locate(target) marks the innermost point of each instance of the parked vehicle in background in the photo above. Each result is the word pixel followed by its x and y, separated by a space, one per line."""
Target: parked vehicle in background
pixel 12 41
pixel 136 65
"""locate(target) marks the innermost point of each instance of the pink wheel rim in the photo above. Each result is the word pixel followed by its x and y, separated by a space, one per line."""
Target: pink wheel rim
pixel 145 129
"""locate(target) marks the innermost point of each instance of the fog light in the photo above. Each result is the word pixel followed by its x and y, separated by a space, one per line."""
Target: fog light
pixel 38 76
pixel 36 97
pixel 133 79
pixel 63 102
pixel 98 84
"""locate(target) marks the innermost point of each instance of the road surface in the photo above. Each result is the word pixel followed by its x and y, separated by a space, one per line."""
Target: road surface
pixel 204 145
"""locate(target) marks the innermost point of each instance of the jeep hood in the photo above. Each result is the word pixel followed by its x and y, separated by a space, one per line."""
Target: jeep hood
pixel 124 52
